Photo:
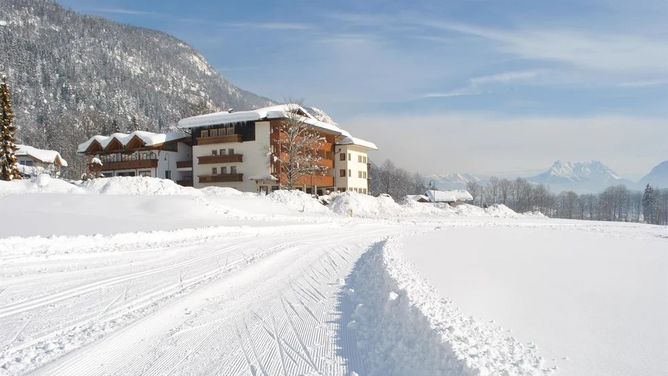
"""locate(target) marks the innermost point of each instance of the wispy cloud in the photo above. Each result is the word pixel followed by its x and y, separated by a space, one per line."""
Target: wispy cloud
pixel 595 51
pixel 482 84
pixel 648 83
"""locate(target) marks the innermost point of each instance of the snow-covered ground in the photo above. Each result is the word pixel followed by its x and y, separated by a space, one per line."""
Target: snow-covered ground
pixel 138 276
pixel 592 296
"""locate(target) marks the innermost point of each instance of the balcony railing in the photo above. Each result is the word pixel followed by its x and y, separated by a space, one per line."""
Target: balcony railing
pixel 225 158
pixel 220 178
pixel 184 164
pixel 185 182
pixel 218 139
pixel 129 164
pixel 316 180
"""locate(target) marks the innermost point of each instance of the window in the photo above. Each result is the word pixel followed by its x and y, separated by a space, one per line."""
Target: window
pixel 205 133
pixel 168 174
pixel 350 173
pixel 350 156
pixel 233 170
pixel 364 175
pixel 359 174
pixel 342 156
pixel 228 129
pixel 342 173
pixel 223 170
pixel 214 170
pixel 214 152
pixel 365 159
pixel 221 152
pixel 359 158
pixel 213 132
pixel 230 151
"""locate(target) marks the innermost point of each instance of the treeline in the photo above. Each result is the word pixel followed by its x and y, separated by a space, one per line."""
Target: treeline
pixel 397 182
pixel 616 203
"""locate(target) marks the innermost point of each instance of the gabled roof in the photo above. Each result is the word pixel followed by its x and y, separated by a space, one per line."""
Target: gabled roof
pixel 265 113
pixel 448 196
pixel 147 138
pixel 42 155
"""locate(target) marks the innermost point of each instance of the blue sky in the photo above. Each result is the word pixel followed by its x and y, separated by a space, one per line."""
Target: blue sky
pixel 487 87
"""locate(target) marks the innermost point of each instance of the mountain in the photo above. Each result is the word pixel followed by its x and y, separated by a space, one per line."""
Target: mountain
pixel 73 75
pixel 658 177
pixel 453 181
pixel 580 177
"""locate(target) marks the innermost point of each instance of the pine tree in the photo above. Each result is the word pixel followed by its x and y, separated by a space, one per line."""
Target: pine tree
pixel 649 204
pixel 134 124
pixel 8 165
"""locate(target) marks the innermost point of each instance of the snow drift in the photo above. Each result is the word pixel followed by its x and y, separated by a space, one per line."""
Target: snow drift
pixel 403 327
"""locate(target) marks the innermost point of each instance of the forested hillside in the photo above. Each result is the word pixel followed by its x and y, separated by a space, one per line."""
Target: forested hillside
pixel 73 76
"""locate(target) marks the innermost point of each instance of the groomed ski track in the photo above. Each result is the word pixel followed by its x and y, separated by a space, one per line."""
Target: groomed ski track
pixel 258 301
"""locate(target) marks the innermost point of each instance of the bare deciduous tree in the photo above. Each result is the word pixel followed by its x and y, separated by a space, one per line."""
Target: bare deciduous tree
pixel 299 151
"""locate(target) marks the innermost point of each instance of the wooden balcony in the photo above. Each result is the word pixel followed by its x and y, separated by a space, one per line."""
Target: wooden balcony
pixel 315 180
pixel 129 165
pixel 218 139
pixel 225 158
pixel 220 178
pixel 185 182
pixel 326 163
pixel 326 146
pixel 184 164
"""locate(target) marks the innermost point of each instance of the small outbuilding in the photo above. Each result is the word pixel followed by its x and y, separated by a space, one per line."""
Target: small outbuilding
pixel 448 197
pixel 33 161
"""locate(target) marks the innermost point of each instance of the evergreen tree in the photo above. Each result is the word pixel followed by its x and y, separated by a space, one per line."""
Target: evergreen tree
pixel 134 124
pixel 8 166
pixel 116 128
pixel 649 204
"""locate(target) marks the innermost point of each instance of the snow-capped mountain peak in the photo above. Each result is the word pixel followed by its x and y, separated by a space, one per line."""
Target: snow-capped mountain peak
pixel 577 171
pixel 658 177
pixel 581 177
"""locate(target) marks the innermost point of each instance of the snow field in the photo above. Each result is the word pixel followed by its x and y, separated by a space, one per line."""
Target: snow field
pixel 276 314
pixel 592 295
pixel 402 327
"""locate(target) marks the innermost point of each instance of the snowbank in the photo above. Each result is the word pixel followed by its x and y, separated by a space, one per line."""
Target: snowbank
pixel 39 184
pixel 298 200
pixel 403 327
pixel 137 185
pixel 360 205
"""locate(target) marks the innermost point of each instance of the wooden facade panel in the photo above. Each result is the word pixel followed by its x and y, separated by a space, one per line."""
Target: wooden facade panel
pixel 225 158
pixel 184 164
pixel 130 165
pixel 219 139
pixel 220 178
pixel 315 180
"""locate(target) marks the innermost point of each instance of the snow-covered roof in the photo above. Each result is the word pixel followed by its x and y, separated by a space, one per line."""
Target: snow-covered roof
pixel 265 113
pixel 358 141
pixel 448 196
pixel 148 138
pixel 42 155
pixel 264 177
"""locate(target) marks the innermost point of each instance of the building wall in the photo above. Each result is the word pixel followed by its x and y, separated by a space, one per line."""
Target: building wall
pixel 353 167
pixel 255 159
pixel 167 161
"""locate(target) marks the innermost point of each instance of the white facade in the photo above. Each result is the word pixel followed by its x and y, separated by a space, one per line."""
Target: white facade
pixel 351 168
pixel 255 160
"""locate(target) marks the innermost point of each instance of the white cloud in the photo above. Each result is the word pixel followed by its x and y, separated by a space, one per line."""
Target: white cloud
pixel 604 51
pixel 480 85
